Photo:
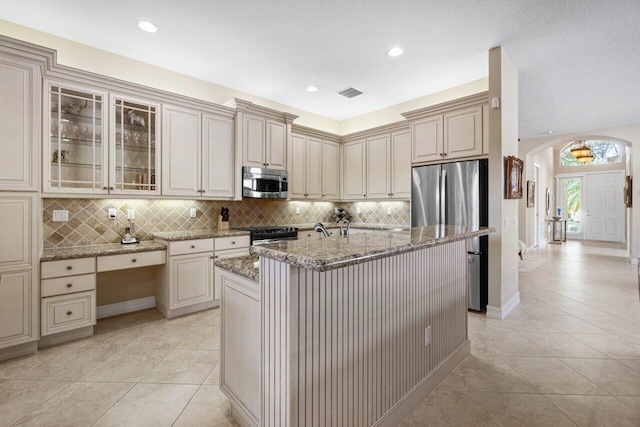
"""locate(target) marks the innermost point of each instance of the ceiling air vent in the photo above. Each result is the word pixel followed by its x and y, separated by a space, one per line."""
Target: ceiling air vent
pixel 350 92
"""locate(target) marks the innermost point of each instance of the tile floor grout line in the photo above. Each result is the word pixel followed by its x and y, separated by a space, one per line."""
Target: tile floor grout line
pixel 41 403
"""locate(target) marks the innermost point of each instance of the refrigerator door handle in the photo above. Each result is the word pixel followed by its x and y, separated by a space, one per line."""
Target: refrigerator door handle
pixel 443 197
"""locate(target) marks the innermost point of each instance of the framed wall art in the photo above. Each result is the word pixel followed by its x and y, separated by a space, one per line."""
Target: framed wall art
pixel 628 191
pixel 513 177
pixel 531 194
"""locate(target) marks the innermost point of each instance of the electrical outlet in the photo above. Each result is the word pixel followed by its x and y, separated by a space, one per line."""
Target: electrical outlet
pixel 131 214
pixel 192 212
pixel 60 216
pixel 357 209
pixel 389 211
pixel 112 213
pixel 335 211
pixel 298 210
pixel 427 336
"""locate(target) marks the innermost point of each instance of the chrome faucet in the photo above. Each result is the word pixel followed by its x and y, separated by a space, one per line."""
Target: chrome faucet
pixel 321 229
pixel 344 231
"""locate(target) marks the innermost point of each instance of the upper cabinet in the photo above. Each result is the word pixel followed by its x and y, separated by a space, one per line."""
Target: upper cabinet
pixel 451 130
pixel 263 134
pixel 76 154
pixel 20 100
pixel 330 170
pixel 198 152
pixel 377 167
pixel 306 171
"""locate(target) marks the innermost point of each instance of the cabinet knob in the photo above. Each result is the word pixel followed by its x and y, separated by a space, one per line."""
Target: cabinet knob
pixel 69 285
pixel 193 246
pixel 216 257
pixel 323 195
pixel 112 188
pixel 69 267
pixel 105 188
pixel 233 242
pixel 134 260
pixel 69 313
pixel 202 191
pixel 364 195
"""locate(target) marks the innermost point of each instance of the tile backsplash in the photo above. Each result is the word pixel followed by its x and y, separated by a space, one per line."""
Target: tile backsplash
pixel 88 223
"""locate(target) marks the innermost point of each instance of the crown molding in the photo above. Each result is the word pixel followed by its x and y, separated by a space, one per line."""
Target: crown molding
pixel 244 106
pixel 467 101
pixel 402 125
pixel 54 71
pixel 307 131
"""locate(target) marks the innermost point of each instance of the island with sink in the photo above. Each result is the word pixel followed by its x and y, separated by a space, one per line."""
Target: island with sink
pixel 343 330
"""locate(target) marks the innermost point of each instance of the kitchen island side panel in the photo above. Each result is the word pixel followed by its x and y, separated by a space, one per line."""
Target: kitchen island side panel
pixel 345 346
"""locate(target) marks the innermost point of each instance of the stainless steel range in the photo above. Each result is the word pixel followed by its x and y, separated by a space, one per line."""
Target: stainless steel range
pixel 270 234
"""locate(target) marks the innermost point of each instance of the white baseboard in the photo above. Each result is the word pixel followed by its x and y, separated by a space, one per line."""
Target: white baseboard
pixel 125 307
pixel 501 313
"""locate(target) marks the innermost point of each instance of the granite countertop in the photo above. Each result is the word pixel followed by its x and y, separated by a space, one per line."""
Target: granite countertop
pixel 99 250
pixel 321 254
pixel 173 236
pixel 244 266
pixel 358 225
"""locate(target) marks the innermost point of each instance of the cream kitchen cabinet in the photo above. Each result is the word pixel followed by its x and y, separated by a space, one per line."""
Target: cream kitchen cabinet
pixel 330 170
pixel 265 143
pixel 378 167
pixel 20 106
pixel 68 291
pixel 306 167
pixel 187 280
pixel 198 154
pixel 18 271
pixel 100 143
pixel 354 172
pixel 451 130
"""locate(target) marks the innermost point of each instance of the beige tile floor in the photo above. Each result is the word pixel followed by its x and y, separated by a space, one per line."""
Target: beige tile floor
pixel 568 355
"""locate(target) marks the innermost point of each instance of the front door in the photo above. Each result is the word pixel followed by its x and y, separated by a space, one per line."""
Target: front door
pixel 604 207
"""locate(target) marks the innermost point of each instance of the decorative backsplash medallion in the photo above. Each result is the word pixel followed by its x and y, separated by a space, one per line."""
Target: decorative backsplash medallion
pixel 88 223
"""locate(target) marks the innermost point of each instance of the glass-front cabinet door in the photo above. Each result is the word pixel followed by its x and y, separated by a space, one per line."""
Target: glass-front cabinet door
pixel 133 150
pixel 76 152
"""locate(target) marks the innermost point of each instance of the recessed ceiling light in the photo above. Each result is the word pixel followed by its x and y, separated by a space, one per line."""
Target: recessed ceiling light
pixel 147 26
pixel 312 89
pixel 396 51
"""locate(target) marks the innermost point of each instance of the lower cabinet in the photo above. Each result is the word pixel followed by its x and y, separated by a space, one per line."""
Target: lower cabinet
pixel 68 291
pixel 187 280
pixel 17 324
pixel 67 312
pixel 240 373
pixel 191 280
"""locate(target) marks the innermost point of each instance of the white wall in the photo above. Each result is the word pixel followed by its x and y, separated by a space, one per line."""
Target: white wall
pixel 545 161
pixel 628 135
pixel 394 113
pixel 503 141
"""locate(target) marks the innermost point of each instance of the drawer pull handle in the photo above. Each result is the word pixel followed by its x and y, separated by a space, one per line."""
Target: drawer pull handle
pixel 193 246
pixel 134 260
pixel 69 285
pixel 233 243
pixel 69 267
pixel 69 313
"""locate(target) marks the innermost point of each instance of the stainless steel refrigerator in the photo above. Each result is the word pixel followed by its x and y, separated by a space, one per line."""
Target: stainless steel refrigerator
pixel 456 194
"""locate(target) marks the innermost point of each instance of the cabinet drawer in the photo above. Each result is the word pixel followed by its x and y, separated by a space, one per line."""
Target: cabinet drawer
pixel 67 285
pixel 190 246
pixel 68 312
pixel 140 259
pixel 67 267
pixel 223 243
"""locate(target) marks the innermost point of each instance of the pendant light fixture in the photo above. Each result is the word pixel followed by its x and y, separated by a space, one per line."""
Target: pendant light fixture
pixel 581 151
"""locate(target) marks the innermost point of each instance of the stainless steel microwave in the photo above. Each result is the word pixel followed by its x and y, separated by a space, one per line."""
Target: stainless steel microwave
pixel 261 183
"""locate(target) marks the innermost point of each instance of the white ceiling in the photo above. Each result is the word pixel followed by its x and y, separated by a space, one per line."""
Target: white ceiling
pixel 579 60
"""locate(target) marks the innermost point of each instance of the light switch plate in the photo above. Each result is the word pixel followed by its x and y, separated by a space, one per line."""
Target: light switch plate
pixel 427 336
pixel 131 214
pixel 388 211
pixel 60 216
pixel 297 210
pixel 357 209
pixel 192 212
pixel 112 213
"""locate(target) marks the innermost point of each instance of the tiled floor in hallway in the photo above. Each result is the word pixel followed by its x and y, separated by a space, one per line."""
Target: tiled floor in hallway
pixel 568 355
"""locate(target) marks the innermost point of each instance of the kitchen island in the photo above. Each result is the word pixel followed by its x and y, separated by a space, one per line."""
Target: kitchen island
pixel 352 330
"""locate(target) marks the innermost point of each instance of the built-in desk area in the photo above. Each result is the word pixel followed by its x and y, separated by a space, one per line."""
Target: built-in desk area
pixel 557 230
